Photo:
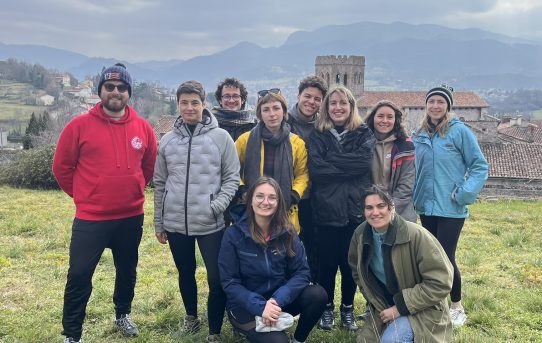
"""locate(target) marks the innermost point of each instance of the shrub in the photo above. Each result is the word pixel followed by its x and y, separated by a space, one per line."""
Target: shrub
pixel 30 169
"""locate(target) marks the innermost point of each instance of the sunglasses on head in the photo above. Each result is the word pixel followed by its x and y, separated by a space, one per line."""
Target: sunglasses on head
pixel 264 92
pixel 121 88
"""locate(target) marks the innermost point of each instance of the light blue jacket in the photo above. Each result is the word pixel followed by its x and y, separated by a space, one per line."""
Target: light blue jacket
pixel 447 165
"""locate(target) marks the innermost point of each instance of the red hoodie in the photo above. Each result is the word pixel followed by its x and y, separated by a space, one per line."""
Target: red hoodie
pixel 104 164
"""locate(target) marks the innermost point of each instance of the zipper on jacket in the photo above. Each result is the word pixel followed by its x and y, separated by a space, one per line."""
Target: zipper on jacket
pixel 186 185
pixel 268 269
pixel 164 205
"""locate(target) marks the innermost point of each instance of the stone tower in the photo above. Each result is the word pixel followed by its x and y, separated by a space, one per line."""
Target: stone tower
pixel 346 70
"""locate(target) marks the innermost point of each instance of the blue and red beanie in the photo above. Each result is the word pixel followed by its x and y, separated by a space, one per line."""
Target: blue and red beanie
pixel 116 72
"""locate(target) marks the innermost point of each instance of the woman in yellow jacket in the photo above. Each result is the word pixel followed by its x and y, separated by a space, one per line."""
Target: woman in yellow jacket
pixel 271 149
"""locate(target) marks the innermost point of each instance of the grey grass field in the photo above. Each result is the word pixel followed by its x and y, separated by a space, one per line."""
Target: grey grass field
pixel 499 255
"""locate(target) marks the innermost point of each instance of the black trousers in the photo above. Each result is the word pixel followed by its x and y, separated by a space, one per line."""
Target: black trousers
pixel 88 242
pixel 310 305
pixel 447 231
pixel 333 245
pixel 308 236
pixel 183 249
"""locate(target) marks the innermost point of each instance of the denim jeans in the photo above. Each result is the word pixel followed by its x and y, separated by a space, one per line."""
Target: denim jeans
pixel 398 331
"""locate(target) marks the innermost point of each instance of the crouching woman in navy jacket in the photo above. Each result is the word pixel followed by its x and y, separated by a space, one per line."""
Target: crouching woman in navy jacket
pixel 264 270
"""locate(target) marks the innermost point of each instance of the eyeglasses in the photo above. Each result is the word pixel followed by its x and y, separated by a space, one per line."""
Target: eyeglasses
pixel 111 87
pixel 272 199
pixel 231 97
pixel 264 92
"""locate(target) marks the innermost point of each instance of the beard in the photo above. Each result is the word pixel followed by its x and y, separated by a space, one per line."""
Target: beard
pixel 115 104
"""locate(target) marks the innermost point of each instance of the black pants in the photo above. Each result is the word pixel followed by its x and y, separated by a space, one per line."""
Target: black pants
pixel 309 305
pixel 184 254
pixel 88 242
pixel 447 231
pixel 333 245
pixel 308 236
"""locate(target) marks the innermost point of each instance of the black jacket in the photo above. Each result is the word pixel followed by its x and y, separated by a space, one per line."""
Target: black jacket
pixel 339 173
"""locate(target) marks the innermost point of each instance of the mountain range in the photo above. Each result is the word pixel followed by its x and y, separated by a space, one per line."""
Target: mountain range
pixel 397 56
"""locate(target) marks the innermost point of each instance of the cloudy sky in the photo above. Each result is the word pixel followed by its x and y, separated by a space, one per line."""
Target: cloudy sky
pixel 139 30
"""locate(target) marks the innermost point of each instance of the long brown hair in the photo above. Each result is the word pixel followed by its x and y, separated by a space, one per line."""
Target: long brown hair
pixel 442 126
pixel 280 223
pixel 399 129
pixel 324 122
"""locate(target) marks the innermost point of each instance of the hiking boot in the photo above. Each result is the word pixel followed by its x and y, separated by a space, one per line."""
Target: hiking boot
pixel 458 316
pixel 327 320
pixel 213 339
pixel 191 324
pixel 71 340
pixel 348 320
pixel 125 325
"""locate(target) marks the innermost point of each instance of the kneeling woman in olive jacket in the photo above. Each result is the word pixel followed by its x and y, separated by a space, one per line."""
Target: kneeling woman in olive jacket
pixel 404 274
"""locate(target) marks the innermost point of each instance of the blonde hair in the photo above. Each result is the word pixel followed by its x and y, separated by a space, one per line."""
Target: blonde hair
pixel 442 127
pixel 324 122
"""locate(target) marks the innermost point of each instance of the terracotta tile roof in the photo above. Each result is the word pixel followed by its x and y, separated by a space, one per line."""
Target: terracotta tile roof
pixel 417 99
pixel 516 160
pixel 530 133
pixel 164 125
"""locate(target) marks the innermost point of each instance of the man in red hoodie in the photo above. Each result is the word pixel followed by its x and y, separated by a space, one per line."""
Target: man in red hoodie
pixel 104 159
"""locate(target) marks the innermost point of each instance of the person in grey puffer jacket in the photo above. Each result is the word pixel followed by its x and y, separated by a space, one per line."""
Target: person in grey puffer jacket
pixel 195 177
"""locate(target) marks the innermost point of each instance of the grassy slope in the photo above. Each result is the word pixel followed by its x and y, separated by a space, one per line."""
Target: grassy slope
pixel 499 254
pixel 13 111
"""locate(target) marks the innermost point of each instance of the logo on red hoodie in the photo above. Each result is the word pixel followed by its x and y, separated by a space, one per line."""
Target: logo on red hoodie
pixel 137 143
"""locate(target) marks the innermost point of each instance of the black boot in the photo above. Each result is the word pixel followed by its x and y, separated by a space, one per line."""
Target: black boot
pixel 327 320
pixel 348 319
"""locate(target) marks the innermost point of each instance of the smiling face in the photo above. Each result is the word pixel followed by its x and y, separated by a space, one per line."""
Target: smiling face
pixel 436 108
pixel 231 98
pixel 191 108
pixel 264 201
pixel 272 115
pixel 377 212
pixel 339 108
pixel 384 120
pixel 114 101
pixel 309 101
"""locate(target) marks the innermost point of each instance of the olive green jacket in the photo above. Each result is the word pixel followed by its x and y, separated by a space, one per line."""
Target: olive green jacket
pixel 418 279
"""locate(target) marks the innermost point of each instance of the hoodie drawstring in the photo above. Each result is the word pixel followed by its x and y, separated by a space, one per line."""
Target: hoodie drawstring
pixel 114 143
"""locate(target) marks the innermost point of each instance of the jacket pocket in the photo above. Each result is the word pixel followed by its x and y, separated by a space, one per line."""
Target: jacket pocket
pixel 114 194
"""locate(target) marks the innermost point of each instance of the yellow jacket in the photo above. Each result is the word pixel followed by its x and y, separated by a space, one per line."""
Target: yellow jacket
pixel 301 173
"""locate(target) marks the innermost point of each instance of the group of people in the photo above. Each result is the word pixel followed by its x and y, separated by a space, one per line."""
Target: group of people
pixel 277 202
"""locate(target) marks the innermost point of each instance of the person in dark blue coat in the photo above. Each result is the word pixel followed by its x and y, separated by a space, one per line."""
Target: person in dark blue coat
pixel 263 268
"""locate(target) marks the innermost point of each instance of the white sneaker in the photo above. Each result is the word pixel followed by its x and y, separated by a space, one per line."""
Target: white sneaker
pixel 458 316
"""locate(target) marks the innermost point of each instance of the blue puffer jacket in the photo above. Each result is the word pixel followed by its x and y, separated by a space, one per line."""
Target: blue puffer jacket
pixel 445 165
pixel 251 275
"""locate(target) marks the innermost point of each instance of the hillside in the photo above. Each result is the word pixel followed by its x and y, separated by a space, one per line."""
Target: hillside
pixel 14 108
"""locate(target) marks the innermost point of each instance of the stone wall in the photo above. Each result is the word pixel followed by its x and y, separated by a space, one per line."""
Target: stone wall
pixel 512 188
pixel 342 69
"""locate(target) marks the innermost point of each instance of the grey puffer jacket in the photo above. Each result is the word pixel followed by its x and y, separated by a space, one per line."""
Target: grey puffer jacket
pixel 195 177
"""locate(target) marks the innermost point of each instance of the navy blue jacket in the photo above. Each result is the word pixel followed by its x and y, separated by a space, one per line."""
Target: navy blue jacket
pixel 250 274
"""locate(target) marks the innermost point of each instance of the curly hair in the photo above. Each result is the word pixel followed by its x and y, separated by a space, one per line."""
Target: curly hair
pixel 235 83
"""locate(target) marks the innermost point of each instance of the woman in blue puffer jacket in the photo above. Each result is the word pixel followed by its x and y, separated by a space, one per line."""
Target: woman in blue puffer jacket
pixel 264 270
pixel 450 172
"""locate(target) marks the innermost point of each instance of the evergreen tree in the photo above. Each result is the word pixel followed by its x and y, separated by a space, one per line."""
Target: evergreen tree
pixel 32 129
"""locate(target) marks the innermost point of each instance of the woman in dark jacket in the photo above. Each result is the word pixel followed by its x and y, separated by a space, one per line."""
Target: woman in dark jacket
pixel 393 159
pixel 340 153
pixel 264 270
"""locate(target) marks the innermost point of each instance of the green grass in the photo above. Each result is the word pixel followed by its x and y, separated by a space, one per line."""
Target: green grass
pixel 537 114
pixel 13 110
pixel 499 256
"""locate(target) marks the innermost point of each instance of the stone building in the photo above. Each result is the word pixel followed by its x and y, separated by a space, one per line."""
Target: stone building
pixel 346 70
pixel 468 106
pixel 514 170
